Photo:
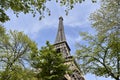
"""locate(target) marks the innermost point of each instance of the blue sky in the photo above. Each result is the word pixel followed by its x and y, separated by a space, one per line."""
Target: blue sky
pixel 77 21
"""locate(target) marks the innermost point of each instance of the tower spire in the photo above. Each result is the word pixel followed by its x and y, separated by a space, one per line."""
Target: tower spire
pixel 60 34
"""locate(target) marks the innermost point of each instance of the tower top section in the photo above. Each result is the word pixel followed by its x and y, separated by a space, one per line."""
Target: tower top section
pixel 61 18
pixel 60 34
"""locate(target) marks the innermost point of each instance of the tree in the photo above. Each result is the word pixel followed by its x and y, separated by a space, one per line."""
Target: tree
pixel 15 48
pixel 18 73
pixel 100 54
pixel 107 17
pixel 49 64
pixel 31 6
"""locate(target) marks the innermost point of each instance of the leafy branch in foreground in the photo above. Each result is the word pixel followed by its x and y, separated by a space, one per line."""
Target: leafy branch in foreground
pixel 32 6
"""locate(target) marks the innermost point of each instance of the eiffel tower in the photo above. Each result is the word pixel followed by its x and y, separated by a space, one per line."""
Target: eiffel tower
pixel 62 46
